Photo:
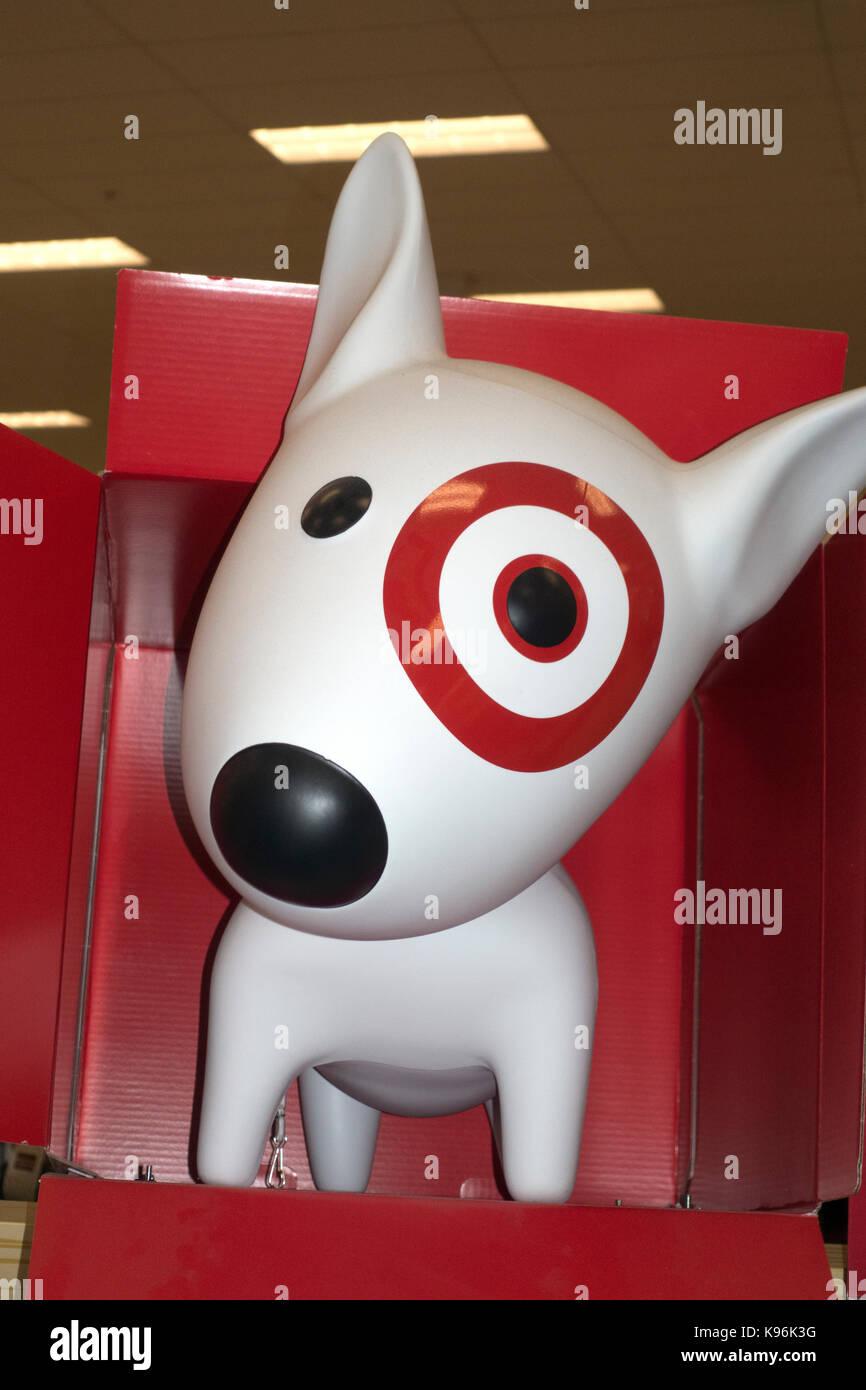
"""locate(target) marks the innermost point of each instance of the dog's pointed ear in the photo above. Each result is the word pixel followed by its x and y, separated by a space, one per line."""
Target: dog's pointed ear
pixel 756 507
pixel 378 307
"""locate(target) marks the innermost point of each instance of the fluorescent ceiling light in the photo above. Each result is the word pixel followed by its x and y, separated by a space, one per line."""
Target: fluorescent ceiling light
pixel 434 136
pixel 42 419
pixel 73 253
pixel 620 301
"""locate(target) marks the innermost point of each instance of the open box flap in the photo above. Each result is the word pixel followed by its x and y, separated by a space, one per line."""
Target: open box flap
pixel 45 589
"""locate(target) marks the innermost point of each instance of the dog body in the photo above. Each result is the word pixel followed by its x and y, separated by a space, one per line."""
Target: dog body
pixel 433 1024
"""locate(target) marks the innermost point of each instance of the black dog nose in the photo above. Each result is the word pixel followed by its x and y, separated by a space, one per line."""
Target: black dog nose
pixel 298 827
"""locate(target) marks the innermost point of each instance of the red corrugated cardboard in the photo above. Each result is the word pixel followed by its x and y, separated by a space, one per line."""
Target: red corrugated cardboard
pixel 98 1240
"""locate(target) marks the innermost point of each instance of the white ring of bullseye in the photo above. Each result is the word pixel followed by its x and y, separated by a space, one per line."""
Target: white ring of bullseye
pixel 533 689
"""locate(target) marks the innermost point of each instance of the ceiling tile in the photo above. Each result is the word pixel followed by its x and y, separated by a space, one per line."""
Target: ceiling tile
pixel 493 9
pixel 66 301
pixel 845 22
pixel 677 167
pixel 172 189
pixel 494 211
pixel 855 363
pixel 20 195
pixel 160 20
pixel 395 96
pixel 822 304
pixel 718 232
pixel 60 361
pixel 507 9
pixel 574 39
pixel 118 159
pixel 56 24
pixel 723 243
pixel 45 223
pixel 68 72
pixel 539 172
pixel 265 222
pixel 599 136
pixel 532 253
pixel 737 187
pixel 739 80
pixel 236 255
pixel 340 55
pixel 858 148
pixel 101 118
pixel 850 69
pixel 854 109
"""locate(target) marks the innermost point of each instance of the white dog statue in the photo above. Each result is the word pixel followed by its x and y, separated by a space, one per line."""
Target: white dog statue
pixel 460 610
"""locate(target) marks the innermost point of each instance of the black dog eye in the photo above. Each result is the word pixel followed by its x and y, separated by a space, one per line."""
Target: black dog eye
pixel 336 507
pixel 541 607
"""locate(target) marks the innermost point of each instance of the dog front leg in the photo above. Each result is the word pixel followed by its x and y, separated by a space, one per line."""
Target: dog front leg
pixel 252 1050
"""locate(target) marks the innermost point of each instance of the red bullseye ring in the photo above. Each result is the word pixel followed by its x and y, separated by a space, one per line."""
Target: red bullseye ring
pixel 411 595
pixel 500 607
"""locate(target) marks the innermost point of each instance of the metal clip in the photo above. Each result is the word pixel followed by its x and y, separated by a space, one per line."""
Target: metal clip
pixel 276 1174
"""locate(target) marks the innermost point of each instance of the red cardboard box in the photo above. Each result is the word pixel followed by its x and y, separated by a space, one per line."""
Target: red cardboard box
pixel 711 1046
pixel 110 1240
pixel 856 1272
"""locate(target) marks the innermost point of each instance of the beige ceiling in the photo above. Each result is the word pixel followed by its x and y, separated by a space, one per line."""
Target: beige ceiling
pixel 719 232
